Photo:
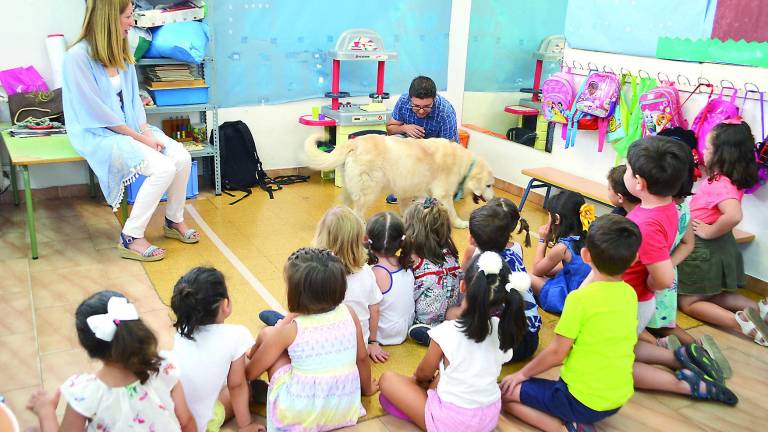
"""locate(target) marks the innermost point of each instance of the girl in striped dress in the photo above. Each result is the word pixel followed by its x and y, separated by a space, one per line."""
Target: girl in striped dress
pixel 316 359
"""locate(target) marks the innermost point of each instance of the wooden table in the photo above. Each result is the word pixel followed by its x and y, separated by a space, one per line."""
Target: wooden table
pixel 25 152
pixel 548 177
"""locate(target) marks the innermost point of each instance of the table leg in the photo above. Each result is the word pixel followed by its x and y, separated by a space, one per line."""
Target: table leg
pixel 124 210
pixel 14 185
pixel 546 197
pixel 30 211
pixel 525 194
pixel 91 183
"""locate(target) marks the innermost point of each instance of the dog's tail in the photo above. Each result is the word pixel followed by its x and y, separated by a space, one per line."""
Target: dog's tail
pixel 322 161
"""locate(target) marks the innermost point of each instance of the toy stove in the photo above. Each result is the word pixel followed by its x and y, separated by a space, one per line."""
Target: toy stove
pixel 358 45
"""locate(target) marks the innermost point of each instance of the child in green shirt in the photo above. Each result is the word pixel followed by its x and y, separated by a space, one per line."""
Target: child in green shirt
pixel 594 341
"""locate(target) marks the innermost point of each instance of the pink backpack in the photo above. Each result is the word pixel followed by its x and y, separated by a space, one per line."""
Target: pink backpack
pixel 714 112
pixel 661 109
pixel 597 97
pixel 557 94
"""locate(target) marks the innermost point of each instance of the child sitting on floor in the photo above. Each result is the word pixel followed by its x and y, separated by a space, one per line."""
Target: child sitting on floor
pixel 594 341
pixel 135 388
pixel 490 228
pixel 316 356
pixel 713 271
pixel 558 268
pixel 468 353
pixel 436 265
pixel 385 233
pixel 622 200
pixel 342 232
pixel 210 353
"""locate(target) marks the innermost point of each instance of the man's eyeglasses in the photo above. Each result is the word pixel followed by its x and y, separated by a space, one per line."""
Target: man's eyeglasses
pixel 426 108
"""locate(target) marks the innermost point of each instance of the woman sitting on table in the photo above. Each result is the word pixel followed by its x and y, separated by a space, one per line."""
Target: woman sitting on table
pixel 107 125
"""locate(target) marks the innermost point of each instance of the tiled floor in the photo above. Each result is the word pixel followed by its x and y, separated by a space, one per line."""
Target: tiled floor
pixel 40 348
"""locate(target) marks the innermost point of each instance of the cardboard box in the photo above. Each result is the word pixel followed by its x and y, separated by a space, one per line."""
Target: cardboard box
pixel 179 12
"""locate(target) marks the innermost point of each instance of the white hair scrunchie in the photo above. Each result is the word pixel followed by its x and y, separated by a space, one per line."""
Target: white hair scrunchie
pixel 104 326
pixel 490 263
pixel 519 281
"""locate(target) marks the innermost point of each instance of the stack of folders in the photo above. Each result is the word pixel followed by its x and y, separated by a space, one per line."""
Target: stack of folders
pixel 29 133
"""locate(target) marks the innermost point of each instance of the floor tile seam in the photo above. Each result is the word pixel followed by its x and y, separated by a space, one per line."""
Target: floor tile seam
pixel 257 286
pixel 33 310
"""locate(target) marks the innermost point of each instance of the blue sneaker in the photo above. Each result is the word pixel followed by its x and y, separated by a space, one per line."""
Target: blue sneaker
pixel 391 199
pixel 418 332
pixel 270 317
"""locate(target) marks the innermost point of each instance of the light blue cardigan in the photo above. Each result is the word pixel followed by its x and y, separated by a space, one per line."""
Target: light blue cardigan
pixel 90 107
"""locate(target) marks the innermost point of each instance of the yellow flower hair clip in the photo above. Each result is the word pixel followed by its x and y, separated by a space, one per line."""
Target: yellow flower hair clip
pixel 586 215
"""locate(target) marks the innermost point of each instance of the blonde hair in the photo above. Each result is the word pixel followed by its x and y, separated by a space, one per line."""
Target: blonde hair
pixel 341 231
pixel 428 231
pixel 102 31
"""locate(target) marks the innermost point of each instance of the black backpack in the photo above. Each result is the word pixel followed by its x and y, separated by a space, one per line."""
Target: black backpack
pixel 241 168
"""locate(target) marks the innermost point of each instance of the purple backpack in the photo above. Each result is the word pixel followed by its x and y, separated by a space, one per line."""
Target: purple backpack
pixel 661 109
pixel 597 97
pixel 714 112
pixel 557 93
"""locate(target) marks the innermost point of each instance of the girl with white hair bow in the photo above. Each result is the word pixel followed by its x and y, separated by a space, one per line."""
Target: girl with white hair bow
pixel 135 389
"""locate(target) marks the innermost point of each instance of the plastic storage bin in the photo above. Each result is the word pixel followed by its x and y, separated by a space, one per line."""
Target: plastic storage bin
pixel 133 189
pixel 180 96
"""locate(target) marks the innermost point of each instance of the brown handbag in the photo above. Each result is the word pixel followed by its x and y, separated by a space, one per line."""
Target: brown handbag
pixel 36 105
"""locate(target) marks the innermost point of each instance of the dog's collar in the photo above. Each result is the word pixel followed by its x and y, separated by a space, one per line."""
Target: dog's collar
pixel 460 191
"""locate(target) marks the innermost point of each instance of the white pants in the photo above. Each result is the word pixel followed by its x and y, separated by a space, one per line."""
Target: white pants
pixel 165 172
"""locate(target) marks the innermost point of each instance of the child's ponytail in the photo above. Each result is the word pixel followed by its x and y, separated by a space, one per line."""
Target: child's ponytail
pixel 109 329
pixel 512 324
pixel 489 293
pixel 196 298
pixel 523 224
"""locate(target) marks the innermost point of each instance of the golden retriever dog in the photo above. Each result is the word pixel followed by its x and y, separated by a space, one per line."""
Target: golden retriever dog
pixel 407 167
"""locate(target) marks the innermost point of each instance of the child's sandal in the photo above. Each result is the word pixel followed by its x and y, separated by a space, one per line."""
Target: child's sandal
pixel 705 362
pixel 749 329
pixel 189 237
pixel 709 344
pixel 714 391
pixel 150 254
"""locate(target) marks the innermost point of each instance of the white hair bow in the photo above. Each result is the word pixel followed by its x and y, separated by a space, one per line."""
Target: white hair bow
pixel 490 263
pixel 519 281
pixel 118 309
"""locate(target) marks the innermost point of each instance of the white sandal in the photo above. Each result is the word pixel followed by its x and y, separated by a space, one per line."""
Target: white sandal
pixel 762 306
pixel 749 329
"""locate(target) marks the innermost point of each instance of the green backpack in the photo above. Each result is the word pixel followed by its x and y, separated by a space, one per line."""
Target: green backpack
pixel 631 119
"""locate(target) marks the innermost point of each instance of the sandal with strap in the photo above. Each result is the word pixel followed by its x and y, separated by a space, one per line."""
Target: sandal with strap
pixel 709 344
pixel 188 237
pixel 701 358
pixel 749 329
pixel 753 315
pixel 714 391
pixel 762 306
pixel 148 255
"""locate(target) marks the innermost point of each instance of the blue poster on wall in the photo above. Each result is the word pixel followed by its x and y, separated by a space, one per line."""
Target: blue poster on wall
pixel 633 27
pixel 503 37
pixel 270 52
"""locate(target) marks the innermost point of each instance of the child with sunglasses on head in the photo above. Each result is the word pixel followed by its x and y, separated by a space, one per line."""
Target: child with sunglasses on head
pixel 558 268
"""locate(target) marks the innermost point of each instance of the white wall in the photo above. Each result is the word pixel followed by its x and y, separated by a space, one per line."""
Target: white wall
pixel 25 26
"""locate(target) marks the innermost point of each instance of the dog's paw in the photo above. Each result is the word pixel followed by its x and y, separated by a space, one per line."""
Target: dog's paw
pixel 460 224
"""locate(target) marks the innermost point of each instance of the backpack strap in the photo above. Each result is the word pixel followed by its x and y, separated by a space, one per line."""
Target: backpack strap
pixel 574 115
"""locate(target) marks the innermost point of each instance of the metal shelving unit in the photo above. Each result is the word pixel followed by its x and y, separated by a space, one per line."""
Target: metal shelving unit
pixel 211 149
